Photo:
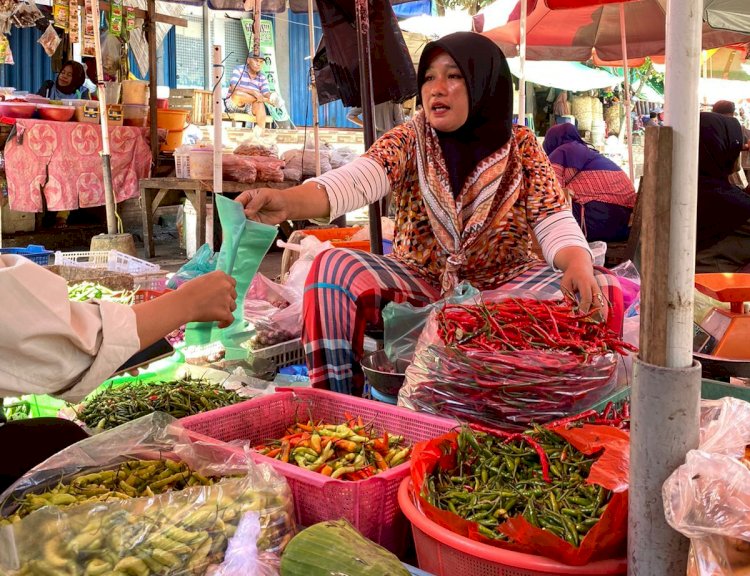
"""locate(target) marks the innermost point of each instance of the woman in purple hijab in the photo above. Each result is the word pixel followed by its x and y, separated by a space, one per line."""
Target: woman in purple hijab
pixel 603 196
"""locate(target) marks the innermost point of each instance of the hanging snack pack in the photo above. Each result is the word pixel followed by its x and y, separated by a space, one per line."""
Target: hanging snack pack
pixel 89 41
pixel 61 14
pixel 74 22
pixel 115 19
pixel 49 40
pixel 6 56
pixel 129 19
pixel 244 246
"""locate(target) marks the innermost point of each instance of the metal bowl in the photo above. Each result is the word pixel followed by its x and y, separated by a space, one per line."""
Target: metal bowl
pixel 56 113
pixel 13 109
pixel 384 376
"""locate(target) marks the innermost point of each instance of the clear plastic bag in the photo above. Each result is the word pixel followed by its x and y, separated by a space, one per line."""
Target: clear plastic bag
pixel 275 311
pixel 503 389
pixel 182 531
pixel 707 499
pixel 403 323
pixel 239 168
pixel 26 14
pixel 202 262
pixel 49 40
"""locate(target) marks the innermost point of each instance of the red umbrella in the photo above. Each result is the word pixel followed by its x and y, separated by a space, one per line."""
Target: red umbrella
pixel 555 31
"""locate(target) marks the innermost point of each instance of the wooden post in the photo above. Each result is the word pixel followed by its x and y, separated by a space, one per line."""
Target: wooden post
pixel 656 188
pixel 152 76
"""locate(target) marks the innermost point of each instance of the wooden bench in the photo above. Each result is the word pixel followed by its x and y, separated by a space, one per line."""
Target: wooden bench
pixel 241 118
pixel 154 190
pixel 197 102
pixel 619 252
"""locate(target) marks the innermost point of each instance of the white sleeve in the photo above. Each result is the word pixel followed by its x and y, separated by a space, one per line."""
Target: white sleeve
pixel 50 345
pixel 558 231
pixel 354 185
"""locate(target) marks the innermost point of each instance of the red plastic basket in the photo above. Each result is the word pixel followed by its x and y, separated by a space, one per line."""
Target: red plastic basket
pixel 370 505
pixel 146 295
pixel 445 553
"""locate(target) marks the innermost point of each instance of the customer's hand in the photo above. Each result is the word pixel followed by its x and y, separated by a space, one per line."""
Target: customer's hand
pixel 264 205
pixel 578 278
pixel 211 297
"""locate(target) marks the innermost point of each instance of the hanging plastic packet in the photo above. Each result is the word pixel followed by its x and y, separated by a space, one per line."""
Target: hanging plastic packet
pixel 6 56
pixel 49 40
pixel 245 245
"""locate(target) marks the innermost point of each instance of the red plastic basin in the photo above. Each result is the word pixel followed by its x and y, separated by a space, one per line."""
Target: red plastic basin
pixel 56 113
pixel 17 109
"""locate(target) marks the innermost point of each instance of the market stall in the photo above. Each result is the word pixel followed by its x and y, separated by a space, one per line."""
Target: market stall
pixel 62 161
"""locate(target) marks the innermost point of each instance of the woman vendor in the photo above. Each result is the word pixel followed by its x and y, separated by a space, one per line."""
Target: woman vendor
pixel 68 85
pixel 469 191
pixel 50 345
pixel 723 233
pixel 602 194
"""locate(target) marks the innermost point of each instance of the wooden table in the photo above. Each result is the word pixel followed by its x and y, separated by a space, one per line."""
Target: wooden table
pixel 153 191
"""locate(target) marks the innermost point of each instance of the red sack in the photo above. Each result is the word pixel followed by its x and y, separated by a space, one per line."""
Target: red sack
pixel 606 540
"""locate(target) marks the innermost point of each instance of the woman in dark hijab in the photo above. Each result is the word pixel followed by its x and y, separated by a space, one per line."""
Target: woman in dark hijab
pixel 470 190
pixel 68 85
pixel 723 234
pixel 602 194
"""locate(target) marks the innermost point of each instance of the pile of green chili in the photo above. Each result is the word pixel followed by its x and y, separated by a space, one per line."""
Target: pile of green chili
pixel 537 474
pixel 116 405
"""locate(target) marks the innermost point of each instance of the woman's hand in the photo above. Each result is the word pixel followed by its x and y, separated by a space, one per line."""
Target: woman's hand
pixel 264 205
pixel 578 278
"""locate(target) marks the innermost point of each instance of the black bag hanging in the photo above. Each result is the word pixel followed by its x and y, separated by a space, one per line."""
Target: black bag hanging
pixel 393 74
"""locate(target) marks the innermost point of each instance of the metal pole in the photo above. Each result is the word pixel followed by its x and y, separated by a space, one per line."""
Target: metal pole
pixel 626 70
pixel 313 86
pixel 218 187
pixel 152 77
pixel 109 195
pixel 366 97
pixel 522 62
pixel 684 28
pixel 666 388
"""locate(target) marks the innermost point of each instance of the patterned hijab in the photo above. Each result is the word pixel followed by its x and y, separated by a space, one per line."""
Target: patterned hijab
pixel 468 175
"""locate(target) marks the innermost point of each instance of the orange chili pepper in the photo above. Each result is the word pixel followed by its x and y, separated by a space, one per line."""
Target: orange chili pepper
pixel 273 453
pixel 326 470
pixel 380 461
pixel 305 427
pixel 286 448
pixel 347 445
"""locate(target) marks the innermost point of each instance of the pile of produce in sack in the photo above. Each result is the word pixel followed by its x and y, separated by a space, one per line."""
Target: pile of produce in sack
pixel 347 451
pixel 144 499
pixel 85 291
pixel 557 491
pixel 507 361
pixel 707 499
pixel 115 405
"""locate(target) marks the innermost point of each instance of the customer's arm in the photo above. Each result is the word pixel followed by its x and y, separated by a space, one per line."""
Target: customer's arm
pixel 50 345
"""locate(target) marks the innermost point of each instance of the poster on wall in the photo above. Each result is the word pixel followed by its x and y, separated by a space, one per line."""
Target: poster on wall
pixel 88 45
pixel 268 52
pixel 74 22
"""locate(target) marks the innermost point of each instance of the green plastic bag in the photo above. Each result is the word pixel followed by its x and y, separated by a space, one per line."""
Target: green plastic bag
pixel 245 245
pixel 403 323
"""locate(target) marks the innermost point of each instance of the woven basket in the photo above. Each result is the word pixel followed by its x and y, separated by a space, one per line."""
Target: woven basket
pixel 613 118
pixel 581 108
pixel 111 280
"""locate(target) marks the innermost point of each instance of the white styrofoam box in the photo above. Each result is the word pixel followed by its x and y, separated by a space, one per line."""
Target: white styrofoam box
pixel 191 222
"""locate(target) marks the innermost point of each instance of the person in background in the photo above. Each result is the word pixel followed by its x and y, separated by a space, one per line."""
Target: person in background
pixel 723 233
pixel 50 345
pixel 91 76
pixel 249 90
pixel 469 189
pixel 387 115
pixel 601 193
pixel 724 107
pixel 69 84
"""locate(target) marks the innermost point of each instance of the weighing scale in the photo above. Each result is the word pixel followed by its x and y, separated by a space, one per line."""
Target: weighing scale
pixel 722 340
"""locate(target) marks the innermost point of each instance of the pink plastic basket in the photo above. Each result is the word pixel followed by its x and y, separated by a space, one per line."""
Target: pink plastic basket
pixel 370 505
pixel 445 553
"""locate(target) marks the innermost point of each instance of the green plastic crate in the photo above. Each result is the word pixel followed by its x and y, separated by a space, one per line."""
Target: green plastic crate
pixel 710 390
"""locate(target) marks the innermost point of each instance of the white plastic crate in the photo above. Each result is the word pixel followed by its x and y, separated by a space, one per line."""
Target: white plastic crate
pixel 111 260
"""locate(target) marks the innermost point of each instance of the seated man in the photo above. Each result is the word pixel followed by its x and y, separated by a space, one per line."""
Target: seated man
pixel 249 90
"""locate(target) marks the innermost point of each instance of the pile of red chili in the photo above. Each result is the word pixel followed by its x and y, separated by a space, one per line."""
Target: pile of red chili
pixel 514 362
pixel 526 324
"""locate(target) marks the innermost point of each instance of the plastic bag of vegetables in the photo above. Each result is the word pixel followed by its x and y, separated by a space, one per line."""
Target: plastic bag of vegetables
pixel 144 499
